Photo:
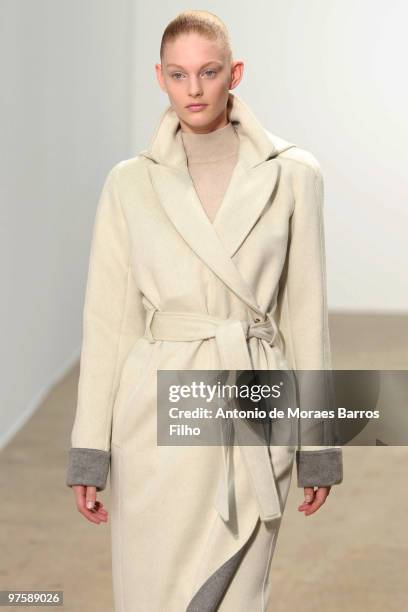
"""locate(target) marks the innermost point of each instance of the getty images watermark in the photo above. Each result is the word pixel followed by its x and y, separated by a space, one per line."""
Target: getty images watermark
pixel 308 407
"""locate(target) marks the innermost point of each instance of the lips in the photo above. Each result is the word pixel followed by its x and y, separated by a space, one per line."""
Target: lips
pixel 192 106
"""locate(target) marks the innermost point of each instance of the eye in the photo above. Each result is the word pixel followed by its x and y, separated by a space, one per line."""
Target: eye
pixel 175 74
pixel 210 72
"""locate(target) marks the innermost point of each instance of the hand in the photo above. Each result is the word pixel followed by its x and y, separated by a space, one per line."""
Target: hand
pixel 313 499
pixel 87 495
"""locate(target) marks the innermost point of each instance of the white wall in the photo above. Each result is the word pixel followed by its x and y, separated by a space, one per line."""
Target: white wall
pixel 64 108
pixel 330 76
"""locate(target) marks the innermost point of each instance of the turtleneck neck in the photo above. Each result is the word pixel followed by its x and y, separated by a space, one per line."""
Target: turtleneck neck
pixel 211 146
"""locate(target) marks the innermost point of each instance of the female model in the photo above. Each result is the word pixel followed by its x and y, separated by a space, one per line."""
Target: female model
pixel 207 253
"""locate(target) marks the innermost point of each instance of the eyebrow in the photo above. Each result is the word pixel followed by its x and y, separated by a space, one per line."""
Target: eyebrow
pixel 203 66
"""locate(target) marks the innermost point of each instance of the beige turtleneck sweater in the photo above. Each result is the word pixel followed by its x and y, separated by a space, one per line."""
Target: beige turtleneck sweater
pixel 211 159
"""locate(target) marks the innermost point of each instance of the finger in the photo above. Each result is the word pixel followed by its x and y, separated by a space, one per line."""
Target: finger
pixel 81 497
pixel 90 515
pixel 99 508
pixel 101 513
pixel 322 493
pixel 102 517
pixel 79 491
pixel 320 498
pixel 309 493
pixel 90 497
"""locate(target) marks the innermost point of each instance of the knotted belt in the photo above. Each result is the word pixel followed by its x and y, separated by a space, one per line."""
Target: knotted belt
pixel 231 336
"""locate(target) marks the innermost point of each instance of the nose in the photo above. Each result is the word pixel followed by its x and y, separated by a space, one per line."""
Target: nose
pixel 195 88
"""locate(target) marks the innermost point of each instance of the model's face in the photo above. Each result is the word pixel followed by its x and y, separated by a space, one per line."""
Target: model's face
pixel 196 70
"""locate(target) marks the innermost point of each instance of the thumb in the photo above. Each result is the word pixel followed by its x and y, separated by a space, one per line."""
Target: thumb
pixel 309 494
pixel 90 497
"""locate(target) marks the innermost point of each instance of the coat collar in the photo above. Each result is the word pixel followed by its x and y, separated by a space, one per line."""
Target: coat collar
pixel 256 144
pixel 251 185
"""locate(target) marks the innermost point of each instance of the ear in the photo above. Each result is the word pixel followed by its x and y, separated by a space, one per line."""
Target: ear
pixel 160 79
pixel 237 72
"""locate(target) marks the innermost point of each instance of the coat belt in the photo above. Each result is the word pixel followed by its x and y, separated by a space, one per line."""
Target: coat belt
pixel 231 337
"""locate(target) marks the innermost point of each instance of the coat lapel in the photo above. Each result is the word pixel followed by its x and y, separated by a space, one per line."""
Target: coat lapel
pixel 245 199
pixel 252 183
pixel 180 201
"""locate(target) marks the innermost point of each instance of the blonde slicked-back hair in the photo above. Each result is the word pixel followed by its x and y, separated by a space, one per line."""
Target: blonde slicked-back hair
pixel 202 22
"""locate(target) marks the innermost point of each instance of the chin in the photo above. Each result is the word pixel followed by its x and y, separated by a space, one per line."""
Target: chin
pixel 195 119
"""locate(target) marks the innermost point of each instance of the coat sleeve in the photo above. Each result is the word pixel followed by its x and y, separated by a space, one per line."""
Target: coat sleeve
pixel 303 319
pixel 113 318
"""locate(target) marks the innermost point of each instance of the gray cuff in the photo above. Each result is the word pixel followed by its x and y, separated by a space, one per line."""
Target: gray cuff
pixel 88 466
pixel 319 468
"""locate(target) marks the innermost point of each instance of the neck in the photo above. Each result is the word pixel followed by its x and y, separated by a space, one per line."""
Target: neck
pixel 216 145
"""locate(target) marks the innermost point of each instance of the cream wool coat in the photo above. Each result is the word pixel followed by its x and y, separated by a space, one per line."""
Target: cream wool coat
pixel 167 289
